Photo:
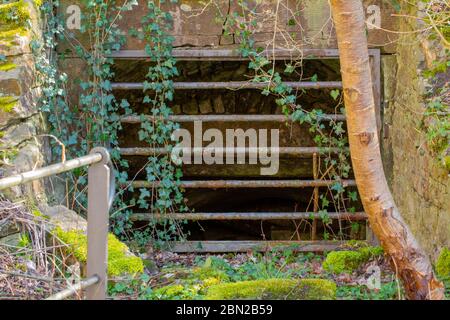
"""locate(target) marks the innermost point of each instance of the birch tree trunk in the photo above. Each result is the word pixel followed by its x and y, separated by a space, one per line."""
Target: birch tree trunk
pixel 409 260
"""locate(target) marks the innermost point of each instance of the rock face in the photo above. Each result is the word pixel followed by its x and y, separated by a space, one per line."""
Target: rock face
pixel 20 121
pixel 419 183
pixel 67 220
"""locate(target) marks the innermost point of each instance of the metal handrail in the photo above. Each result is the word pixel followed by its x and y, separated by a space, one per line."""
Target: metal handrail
pixel 83 284
pixel 53 169
pixel 100 195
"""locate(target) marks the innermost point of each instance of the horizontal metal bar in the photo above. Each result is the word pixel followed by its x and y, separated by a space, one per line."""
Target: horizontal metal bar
pixel 245 246
pixel 291 151
pixel 232 54
pixel 221 184
pixel 29 176
pixel 83 284
pixel 353 216
pixel 231 85
pixel 231 118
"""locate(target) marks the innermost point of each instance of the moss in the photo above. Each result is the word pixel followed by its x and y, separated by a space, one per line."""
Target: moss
pixel 347 261
pixel 176 292
pixel 8 33
pixel 13 22
pixel 119 262
pixel 8 155
pixel 275 289
pixel 443 264
pixel 210 272
pixel 7 66
pixel 446 162
pixel 7 103
pixel 14 13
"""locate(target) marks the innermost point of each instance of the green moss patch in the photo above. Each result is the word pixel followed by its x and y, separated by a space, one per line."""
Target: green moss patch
pixel 7 66
pixel 209 272
pixel 7 103
pixel 119 261
pixel 275 289
pixel 13 22
pixel 348 261
pixel 443 264
pixel 8 36
pixel 14 13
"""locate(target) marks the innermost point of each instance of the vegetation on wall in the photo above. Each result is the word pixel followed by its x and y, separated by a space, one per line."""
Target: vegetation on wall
pixel 156 129
pixel 95 119
pixel 434 36
pixel 242 24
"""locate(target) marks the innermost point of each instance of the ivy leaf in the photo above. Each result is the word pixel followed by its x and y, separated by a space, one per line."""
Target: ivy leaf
pixel 353 195
pixel 289 68
pixel 124 104
pixel 335 94
pixel 314 78
pixel 291 22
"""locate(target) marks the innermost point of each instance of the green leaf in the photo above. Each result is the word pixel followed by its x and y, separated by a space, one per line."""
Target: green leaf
pixel 335 94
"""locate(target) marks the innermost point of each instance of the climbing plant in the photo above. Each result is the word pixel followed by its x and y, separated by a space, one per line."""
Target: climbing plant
pixel 242 24
pixel 96 119
pixel 432 29
pixel 156 129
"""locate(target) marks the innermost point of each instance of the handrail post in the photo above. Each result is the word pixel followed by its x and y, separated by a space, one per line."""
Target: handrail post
pixel 97 226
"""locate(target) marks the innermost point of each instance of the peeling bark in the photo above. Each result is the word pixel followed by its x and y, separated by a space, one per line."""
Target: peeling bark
pixel 409 260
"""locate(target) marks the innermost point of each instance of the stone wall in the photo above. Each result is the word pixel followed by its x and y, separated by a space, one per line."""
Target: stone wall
pixel 419 182
pixel 20 121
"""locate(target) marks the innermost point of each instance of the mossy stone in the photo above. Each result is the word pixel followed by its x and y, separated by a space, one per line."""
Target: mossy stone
pixel 14 13
pixel 7 103
pixel 347 261
pixel 275 289
pixel 119 262
pixel 7 66
pixel 203 273
pixel 443 264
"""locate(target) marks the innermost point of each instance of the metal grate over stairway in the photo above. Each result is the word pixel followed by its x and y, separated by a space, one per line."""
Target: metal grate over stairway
pixel 214 184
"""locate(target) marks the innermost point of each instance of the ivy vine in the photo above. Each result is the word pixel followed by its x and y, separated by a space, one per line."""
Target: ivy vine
pixel 243 25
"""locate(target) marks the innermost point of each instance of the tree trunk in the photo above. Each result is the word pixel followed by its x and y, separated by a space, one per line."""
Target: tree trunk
pixel 409 260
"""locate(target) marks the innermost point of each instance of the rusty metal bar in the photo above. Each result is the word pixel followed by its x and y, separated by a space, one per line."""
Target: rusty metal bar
pixel 315 197
pixel 33 175
pixel 73 289
pixel 231 54
pixel 235 55
pixel 291 151
pixel 351 216
pixel 245 246
pixel 221 184
pixel 230 118
pixel 232 85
